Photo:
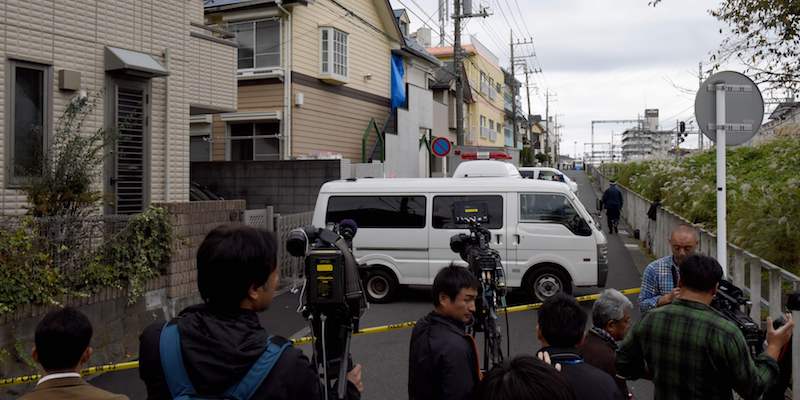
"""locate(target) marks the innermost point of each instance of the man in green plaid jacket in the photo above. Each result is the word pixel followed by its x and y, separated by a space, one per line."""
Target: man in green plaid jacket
pixel 692 352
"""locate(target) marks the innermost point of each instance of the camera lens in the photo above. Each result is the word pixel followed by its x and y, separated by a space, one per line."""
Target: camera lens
pixel 297 243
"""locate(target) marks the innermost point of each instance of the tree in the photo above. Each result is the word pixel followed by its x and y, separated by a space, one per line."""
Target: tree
pixel 764 36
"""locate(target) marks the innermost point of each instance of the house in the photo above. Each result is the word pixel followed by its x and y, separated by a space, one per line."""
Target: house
pixel 157 65
pixel 509 83
pixel 485 117
pixel 784 121
pixel 313 80
pixel 414 112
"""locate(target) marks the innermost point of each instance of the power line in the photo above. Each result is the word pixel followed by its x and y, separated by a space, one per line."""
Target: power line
pixel 523 19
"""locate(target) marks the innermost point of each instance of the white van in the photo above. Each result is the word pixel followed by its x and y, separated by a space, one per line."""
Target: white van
pixel 547 240
pixel 548 174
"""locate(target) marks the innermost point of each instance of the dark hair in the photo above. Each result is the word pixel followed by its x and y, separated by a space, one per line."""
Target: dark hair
pixel 61 338
pixel 450 280
pixel 562 321
pixel 524 378
pixel 232 259
pixel 700 273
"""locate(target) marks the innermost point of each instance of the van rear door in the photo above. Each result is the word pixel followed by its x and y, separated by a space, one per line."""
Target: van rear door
pixel 443 227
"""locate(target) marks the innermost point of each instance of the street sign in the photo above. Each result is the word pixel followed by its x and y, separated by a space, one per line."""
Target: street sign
pixel 729 110
pixel 744 107
pixel 441 146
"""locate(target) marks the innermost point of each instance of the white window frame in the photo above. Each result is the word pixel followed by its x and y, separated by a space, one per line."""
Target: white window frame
pixel 229 138
pixel 13 180
pixel 255 68
pixel 329 48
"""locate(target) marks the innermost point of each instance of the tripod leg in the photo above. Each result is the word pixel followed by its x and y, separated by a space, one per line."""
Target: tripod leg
pixel 343 365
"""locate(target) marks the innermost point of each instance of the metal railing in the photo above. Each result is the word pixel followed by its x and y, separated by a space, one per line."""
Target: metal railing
pixel 291 267
pixel 765 282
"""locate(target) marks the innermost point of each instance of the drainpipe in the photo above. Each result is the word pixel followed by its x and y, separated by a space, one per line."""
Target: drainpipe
pixel 287 86
pixel 166 126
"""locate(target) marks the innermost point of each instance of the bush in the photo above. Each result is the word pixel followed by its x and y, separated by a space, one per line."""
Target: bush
pixel 763 199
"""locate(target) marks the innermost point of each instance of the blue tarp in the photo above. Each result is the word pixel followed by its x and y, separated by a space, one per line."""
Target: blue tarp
pixel 398 82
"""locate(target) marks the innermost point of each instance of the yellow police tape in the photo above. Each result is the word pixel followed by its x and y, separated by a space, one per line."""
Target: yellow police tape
pixel 301 341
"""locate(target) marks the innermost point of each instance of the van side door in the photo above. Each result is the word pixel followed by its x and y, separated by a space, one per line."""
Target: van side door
pixel 391 231
pixel 443 227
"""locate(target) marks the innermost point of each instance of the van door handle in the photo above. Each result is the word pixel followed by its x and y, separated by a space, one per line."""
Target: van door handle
pixel 498 238
pixel 517 239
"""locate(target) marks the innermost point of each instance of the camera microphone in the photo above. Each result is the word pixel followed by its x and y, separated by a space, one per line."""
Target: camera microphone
pixel 348 229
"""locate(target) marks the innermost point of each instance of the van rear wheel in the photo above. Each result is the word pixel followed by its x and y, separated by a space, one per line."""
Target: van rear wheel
pixel 545 282
pixel 380 286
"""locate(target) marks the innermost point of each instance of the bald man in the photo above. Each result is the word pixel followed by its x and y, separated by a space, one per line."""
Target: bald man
pixel 660 280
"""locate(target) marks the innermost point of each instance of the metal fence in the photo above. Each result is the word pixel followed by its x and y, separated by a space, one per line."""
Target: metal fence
pixel 765 282
pixel 291 267
pixel 69 241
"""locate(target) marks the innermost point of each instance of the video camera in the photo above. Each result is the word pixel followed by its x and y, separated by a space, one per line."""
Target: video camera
pixel 333 299
pixel 729 302
pixel 485 263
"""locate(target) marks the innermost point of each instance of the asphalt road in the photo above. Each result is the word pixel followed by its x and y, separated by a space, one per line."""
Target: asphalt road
pixel 385 355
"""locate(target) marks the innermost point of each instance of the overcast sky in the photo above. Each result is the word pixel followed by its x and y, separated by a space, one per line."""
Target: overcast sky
pixel 603 59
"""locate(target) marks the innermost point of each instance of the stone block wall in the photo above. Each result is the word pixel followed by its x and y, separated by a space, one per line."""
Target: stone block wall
pixel 116 323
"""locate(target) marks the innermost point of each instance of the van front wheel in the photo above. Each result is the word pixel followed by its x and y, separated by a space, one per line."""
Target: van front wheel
pixel 545 282
pixel 380 286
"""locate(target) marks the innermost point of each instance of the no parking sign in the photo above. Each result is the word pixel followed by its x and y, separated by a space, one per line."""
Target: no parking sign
pixel 441 146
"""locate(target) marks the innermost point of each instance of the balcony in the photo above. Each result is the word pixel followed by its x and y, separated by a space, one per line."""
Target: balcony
pixel 211 70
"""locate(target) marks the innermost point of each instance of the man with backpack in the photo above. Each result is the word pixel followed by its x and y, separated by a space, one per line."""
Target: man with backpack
pixel 219 349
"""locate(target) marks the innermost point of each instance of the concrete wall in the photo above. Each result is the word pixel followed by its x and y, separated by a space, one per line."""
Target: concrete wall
pixel 117 325
pixel 289 186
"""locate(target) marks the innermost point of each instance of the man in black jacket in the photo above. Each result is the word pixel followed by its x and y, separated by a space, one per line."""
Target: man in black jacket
pixel 222 338
pixel 562 328
pixel 612 202
pixel 443 361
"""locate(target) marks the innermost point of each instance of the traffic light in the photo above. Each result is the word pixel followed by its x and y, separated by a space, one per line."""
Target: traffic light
pixel 682 127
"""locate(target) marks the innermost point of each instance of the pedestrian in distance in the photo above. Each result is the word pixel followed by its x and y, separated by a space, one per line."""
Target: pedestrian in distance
pixel 524 378
pixel 62 348
pixel 561 330
pixel 612 201
pixel 219 348
pixel 691 352
pixel 611 320
pixel 660 277
pixel 443 358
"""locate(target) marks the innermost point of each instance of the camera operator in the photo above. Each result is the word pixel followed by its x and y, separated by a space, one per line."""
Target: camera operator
pixel 691 352
pixel 219 344
pixel 443 360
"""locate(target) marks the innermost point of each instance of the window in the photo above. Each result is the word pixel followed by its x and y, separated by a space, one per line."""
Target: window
pixel 254 141
pixel 259 44
pixel 491 124
pixel 552 208
pixel 28 130
pixel 498 88
pixel 549 176
pixel 378 211
pixel 443 211
pixel 334 52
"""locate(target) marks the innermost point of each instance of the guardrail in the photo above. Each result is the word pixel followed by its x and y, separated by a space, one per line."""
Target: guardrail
pixel 765 282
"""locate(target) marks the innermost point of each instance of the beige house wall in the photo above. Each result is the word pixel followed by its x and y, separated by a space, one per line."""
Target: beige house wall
pixel 369 50
pixel 328 122
pixel 73 34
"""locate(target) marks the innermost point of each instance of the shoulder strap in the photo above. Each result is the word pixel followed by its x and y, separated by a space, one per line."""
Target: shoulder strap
pixel 169 348
pixel 245 389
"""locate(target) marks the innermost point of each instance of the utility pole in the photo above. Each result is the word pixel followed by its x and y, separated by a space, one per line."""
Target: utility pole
pixel 444 13
pixel 528 95
pixel 700 85
pixel 514 89
pixel 547 121
pixel 458 15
